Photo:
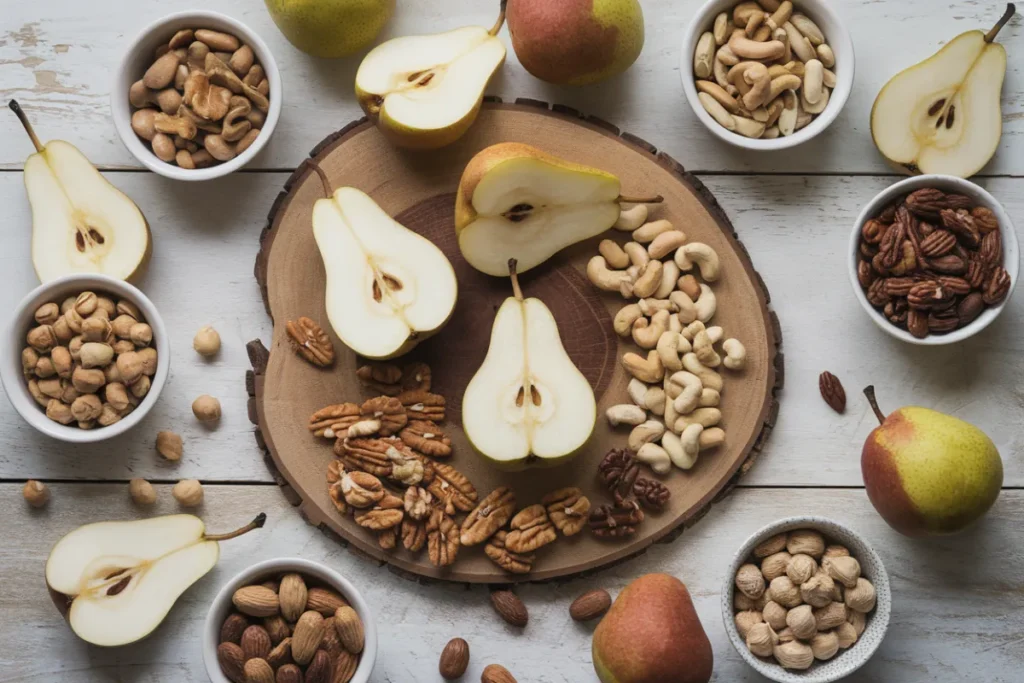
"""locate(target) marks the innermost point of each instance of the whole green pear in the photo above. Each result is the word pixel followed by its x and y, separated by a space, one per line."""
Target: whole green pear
pixel 929 473
pixel 576 42
pixel 330 28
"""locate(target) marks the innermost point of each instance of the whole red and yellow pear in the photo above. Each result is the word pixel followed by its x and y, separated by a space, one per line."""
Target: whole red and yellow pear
pixel 652 634
pixel 928 473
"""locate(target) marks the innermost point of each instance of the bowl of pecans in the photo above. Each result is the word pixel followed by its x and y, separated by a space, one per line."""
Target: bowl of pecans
pixel 933 259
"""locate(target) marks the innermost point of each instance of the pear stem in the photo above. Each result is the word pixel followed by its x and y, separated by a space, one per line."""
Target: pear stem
pixel 869 391
pixel 657 199
pixel 20 113
pixel 515 279
pixel 1010 11
pixel 324 180
pixel 257 523
pixel 501 20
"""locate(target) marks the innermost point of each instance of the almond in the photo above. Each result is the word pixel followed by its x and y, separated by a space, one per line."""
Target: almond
pixel 590 605
pixel 232 628
pixel 289 673
pixel 324 601
pixel 292 594
pixel 345 665
pixel 331 642
pixel 277 628
pixel 306 638
pixel 319 670
pixel 255 643
pixel 232 661
pixel 281 654
pixel 258 671
pixel 454 659
pixel 350 629
pixel 496 673
pixel 256 601
pixel 510 608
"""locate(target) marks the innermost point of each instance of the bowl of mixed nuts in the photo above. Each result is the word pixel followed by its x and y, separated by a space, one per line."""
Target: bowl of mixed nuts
pixel 806 600
pixel 86 358
pixel 933 259
pixel 196 96
pixel 289 619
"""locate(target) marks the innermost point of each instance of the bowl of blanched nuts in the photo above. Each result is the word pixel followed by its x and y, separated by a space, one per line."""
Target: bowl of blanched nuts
pixel 196 96
pixel 86 358
pixel 767 74
pixel 806 600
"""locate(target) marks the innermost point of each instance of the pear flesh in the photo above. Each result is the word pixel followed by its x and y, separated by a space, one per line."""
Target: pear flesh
pixel 528 404
pixel 388 288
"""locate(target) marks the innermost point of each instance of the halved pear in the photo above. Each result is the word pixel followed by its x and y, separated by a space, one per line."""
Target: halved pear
pixel 115 582
pixel 424 92
pixel 943 115
pixel 528 404
pixel 388 288
pixel 80 222
pixel 517 202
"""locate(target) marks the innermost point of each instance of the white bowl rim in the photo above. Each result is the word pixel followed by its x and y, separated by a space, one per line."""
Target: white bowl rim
pixel 211 630
pixel 703 20
pixel 10 366
pixel 879 620
pixel 119 99
pixel 1011 249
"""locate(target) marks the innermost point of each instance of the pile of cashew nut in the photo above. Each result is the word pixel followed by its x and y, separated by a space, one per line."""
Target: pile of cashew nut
pixel 676 387
pixel 764 71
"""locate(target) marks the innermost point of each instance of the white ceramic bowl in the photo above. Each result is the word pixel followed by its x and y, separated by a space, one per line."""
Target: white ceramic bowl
pixel 139 56
pixel 834 28
pixel 950 184
pixel 222 606
pixel 846 661
pixel 23 320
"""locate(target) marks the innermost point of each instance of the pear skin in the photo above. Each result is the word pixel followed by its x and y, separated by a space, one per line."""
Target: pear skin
pixel 330 28
pixel 652 634
pixel 928 473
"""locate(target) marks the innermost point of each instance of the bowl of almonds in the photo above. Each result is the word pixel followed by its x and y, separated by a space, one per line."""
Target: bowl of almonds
pixel 86 358
pixel 289 620
pixel 196 96
pixel 933 259
pixel 806 600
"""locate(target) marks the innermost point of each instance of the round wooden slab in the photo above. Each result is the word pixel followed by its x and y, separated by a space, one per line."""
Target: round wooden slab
pixel 418 189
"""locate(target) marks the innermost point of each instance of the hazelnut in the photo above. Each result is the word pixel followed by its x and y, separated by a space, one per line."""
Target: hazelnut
pixel 206 408
pixel 801 620
pixel 47 314
pixel 188 492
pixel 750 581
pixel 861 598
pixel 36 493
pixel 745 620
pixel 844 569
pixel 141 334
pixel 794 655
pixel 800 568
pixel 818 590
pixel 771 546
pixel 168 444
pixel 825 645
pixel 806 541
pixel 775 615
pixel 775 565
pixel 830 616
pixel 783 591
pixel 206 341
pixel 142 492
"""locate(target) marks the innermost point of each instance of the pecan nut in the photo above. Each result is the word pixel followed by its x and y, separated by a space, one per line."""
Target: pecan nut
pixel 651 494
pixel 976 273
pixel 335 471
pixel 427 438
pixel 388 538
pixel 928 294
pixel 907 261
pixel 873 230
pixel 619 470
pixel 334 420
pixel 950 264
pixel 896 312
pixel 991 251
pixel 917 323
pixel 388 513
pixel 938 243
pixel 616 521
pixel 514 563
pixel 416 377
pixel 406 468
pixel 899 286
pixel 452 489
pixel 877 294
pixel 361 490
pixel 957 285
pixel 310 341
pixel 531 529
pixel 490 515
pixel 943 322
pixel 423 405
pixel 985 219
pixel 832 391
pixel 418 503
pixel 380 377
pixel 366 455
pixel 442 539
pixel 568 509
pixel 996 287
pixel 388 410
pixel 929 202
pixel 414 534
pixel 338 498
pixel 865 273
pixel 970 307
pixel 961 223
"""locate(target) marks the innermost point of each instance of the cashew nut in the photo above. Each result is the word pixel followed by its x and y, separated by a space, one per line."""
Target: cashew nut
pixel 669 275
pixel 751 49
pixel 689 396
pixel 709 398
pixel 726 56
pixel 649 280
pixel 654 400
pixel 689 284
pixel 603 278
pixel 691 330
pixel 637 254
pixel 814 81
pixel 781 84
pixel 780 15
pixel 637 390
pixel 715 333
pixel 760 83
pixel 774 109
pixel 668 350
pixel 749 127
pixel 717 111
pixel 711 438
pixel 624 319
pixel 646 333
pixel 735 354
pixel 687 309
pixel 742 12
pixel 665 243
pixel 625 414
pixel 674 325
pixel 703 55
pixel 613 254
pixel 825 54
pixel 631 219
pixel 808 28
pixel 689 447
pixel 648 231
pixel 671 415
pixel 708 377
pixel 646 432
pixel 655 457
pixel 703 256
pixel 719 92
pixel 705 350
pixel 721 73
pixel 706 304
pixel 653 305
pixel 703 417
pixel 754 22
pixel 648 370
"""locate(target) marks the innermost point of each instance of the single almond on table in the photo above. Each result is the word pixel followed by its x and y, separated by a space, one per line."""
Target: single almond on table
pixel 496 673
pixel 454 659
pixel 307 636
pixel 590 605
pixel 510 608
pixel 292 594
pixel 350 629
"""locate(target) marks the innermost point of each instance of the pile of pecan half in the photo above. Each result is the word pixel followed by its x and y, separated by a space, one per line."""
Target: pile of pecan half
pixel 932 262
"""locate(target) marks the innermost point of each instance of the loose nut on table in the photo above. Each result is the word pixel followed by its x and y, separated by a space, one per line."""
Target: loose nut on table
pixel 142 492
pixel 600 276
pixel 206 408
pixel 188 492
pixel 649 231
pixel 207 341
pixel 646 432
pixel 656 457
pixel 168 444
pixel 648 370
pixel 632 218
pixel 613 254
pixel 647 333
pixel 36 493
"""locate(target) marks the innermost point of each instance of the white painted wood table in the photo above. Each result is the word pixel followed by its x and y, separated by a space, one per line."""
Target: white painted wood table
pixel 958 610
